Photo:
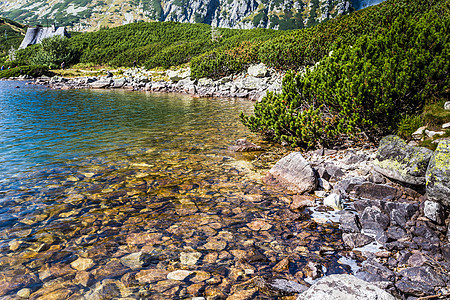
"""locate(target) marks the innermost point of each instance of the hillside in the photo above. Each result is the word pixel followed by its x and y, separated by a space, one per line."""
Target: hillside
pixel 91 15
pixel 12 34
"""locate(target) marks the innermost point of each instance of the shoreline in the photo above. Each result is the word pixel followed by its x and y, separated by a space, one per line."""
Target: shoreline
pixel 253 84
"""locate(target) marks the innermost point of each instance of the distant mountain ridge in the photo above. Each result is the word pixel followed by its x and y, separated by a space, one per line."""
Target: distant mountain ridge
pixel 89 15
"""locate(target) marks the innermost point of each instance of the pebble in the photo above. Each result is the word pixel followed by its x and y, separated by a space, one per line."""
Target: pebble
pixel 179 275
pixel 190 258
pixel 82 264
pixel 24 293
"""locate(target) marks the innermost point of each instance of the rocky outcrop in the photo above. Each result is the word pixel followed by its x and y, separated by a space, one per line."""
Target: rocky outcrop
pixel 295 173
pixel 344 287
pixel 221 13
pixel 438 174
pixel 396 160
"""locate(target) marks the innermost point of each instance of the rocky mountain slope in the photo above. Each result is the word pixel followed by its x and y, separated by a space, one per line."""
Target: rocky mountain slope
pixel 12 34
pixel 94 14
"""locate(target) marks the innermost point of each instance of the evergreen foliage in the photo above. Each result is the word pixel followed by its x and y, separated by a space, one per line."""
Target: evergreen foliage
pixel 33 71
pixel 51 52
pixel 364 87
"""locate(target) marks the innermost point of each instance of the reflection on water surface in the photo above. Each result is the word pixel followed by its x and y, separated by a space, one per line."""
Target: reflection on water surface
pixel 107 194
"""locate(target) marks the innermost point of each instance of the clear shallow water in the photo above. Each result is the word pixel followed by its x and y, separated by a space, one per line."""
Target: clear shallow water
pixel 104 193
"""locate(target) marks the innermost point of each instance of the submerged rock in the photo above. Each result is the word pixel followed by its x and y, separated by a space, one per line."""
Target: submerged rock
pixel 344 287
pixel 294 172
pixel 396 160
pixel 242 145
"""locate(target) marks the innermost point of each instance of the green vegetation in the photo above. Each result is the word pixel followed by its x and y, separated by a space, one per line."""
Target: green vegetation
pixel 408 125
pixel 364 87
pixel 52 52
pixel 33 71
pixel 12 34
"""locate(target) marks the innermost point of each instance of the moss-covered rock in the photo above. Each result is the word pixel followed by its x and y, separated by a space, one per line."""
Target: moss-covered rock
pixel 397 160
pixel 438 174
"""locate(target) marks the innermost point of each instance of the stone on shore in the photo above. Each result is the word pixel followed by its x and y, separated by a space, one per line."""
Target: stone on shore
pixel 334 201
pixel 438 174
pixel 101 84
pixel 295 173
pixel 344 287
pixel 397 160
pixel 258 71
pixel 447 105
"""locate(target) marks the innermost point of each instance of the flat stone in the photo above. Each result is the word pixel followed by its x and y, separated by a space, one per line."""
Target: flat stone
pixel 333 200
pixel 396 160
pixel 418 134
pixel 242 145
pixel 295 173
pixel 284 286
pixel 302 201
pixel 258 225
pixel 380 272
pixel 151 275
pixel 107 289
pixel 344 287
pixel 415 288
pixel 218 245
pixel 373 220
pixel 356 240
pixel 423 274
pixel 434 211
pixel 431 133
pixel 446 125
pixel 258 71
pixel 447 105
pixel 179 275
pixel 349 222
pixel 134 260
pixel 369 190
pixel 395 233
pixel 190 258
pixel 24 293
pixel 82 264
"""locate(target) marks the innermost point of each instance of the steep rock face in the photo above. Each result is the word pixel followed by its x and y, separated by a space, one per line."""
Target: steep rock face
pixel 94 14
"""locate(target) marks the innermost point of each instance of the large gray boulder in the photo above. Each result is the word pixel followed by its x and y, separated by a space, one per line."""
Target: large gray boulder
pixel 438 174
pixel 295 173
pixel 101 84
pixel 344 287
pixel 397 160
pixel 258 71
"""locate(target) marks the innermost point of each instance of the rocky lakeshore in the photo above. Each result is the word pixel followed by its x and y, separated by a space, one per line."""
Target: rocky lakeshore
pixel 391 204
pixel 253 84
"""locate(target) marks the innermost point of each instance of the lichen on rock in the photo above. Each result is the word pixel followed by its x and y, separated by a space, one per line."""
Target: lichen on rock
pixel 397 160
pixel 438 174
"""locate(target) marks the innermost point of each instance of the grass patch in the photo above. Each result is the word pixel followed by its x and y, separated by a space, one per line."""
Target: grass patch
pixel 435 115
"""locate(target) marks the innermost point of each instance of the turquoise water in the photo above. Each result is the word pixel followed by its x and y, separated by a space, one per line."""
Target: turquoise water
pixel 103 194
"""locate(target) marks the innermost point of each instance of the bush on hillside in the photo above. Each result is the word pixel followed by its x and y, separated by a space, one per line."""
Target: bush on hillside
pixel 33 71
pixel 362 88
pixel 52 52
